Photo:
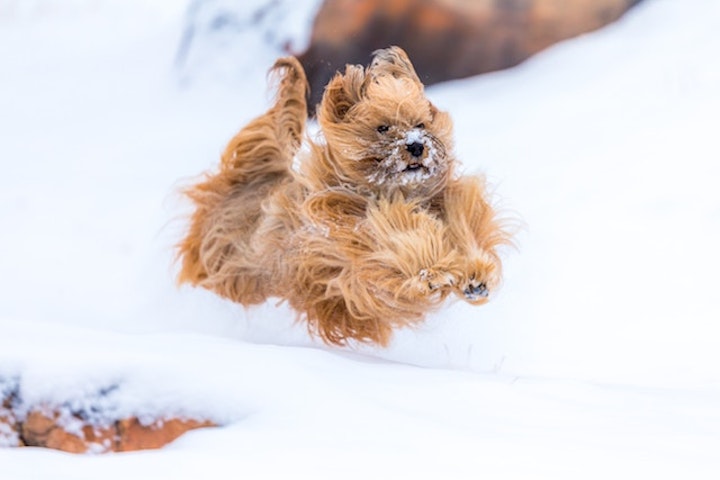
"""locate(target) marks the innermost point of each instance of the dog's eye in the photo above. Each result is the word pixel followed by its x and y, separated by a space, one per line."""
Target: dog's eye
pixel 383 128
pixel 420 125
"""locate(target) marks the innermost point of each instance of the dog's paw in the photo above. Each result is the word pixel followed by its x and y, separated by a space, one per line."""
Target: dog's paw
pixel 436 279
pixel 480 278
pixel 429 283
pixel 475 290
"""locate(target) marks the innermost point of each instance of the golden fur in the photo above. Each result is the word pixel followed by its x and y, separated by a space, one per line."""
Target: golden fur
pixel 372 231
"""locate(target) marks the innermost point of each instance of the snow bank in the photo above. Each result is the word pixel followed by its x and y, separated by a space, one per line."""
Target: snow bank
pixel 319 414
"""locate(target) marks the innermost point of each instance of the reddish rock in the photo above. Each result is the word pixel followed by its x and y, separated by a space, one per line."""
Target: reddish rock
pixel 133 435
pixel 86 431
pixel 41 429
pixel 447 39
pixel 44 427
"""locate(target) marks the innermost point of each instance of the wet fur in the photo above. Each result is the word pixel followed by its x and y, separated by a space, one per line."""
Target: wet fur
pixel 364 237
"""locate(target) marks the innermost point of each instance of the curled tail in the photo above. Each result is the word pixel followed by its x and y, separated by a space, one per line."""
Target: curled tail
pixel 268 144
pixel 217 252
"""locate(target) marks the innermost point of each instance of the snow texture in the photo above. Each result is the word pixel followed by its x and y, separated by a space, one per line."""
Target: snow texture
pixel 597 359
pixel 236 38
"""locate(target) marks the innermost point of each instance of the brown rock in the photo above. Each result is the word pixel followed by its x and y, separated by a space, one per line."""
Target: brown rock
pixel 44 428
pixel 41 429
pixel 60 428
pixel 447 39
pixel 133 435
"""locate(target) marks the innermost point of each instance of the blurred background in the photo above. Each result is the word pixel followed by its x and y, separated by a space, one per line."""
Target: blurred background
pixel 447 39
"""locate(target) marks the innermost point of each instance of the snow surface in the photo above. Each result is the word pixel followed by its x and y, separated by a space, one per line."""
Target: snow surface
pixel 230 39
pixel 599 357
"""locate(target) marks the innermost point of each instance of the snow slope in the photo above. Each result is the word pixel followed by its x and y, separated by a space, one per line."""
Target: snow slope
pixel 597 359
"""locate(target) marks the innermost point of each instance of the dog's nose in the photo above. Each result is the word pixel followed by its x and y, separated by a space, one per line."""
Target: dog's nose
pixel 415 149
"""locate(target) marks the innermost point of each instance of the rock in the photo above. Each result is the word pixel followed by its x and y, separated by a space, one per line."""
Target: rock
pixel 231 39
pixel 45 427
pixel 88 425
pixel 41 429
pixel 447 39
pixel 133 435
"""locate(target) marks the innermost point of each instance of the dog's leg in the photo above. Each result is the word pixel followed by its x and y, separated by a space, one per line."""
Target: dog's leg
pixel 373 269
pixel 475 230
pixel 412 244
pixel 401 266
pixel 219 251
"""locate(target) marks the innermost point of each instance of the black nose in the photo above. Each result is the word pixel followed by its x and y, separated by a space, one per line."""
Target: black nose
pixel 415 149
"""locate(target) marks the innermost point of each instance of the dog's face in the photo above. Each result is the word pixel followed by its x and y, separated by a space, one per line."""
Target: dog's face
pixel 382 131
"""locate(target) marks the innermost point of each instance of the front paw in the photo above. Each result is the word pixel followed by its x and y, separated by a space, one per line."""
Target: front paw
pixel 430 283
pixel 475 290
pixel 481 277
pixel 436 279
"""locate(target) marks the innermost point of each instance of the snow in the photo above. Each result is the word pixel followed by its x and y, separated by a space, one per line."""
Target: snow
pixel 414 136
pixel 235 40
pixel 597 359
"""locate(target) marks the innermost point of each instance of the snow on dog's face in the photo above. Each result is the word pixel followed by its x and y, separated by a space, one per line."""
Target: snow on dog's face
pixel 384 134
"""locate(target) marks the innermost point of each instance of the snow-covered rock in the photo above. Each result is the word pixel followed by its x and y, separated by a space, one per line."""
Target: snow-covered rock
pixel 86 417
pixel 232 38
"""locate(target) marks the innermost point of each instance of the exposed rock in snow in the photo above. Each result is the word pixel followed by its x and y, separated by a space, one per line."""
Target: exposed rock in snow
pixel 89 428
pixel 48 427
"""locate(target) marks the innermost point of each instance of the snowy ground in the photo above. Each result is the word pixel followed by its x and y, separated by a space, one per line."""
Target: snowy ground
pixel 598 359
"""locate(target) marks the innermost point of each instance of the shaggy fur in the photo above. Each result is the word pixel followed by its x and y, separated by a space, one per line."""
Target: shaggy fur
pixel 372 231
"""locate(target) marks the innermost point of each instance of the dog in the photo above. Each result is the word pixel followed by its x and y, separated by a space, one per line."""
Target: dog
pixel 367 230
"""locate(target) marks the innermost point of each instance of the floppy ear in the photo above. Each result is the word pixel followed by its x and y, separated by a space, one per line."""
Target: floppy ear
pixel 343 91
pixel 393 62
pixel 442 124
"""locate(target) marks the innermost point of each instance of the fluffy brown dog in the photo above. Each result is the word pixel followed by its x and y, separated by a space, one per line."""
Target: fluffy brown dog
pixel 370 232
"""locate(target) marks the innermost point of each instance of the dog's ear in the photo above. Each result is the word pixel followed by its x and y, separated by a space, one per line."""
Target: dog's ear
pixel 393 62
pixel 442 124
pixel 343 91
pixel 433 111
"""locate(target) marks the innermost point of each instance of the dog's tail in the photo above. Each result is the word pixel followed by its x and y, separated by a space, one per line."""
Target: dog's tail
pixel 217 251
pixel 268 144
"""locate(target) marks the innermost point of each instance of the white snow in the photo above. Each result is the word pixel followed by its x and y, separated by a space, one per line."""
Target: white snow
pixel 238 40
pixel 414 135
pixel 599 357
